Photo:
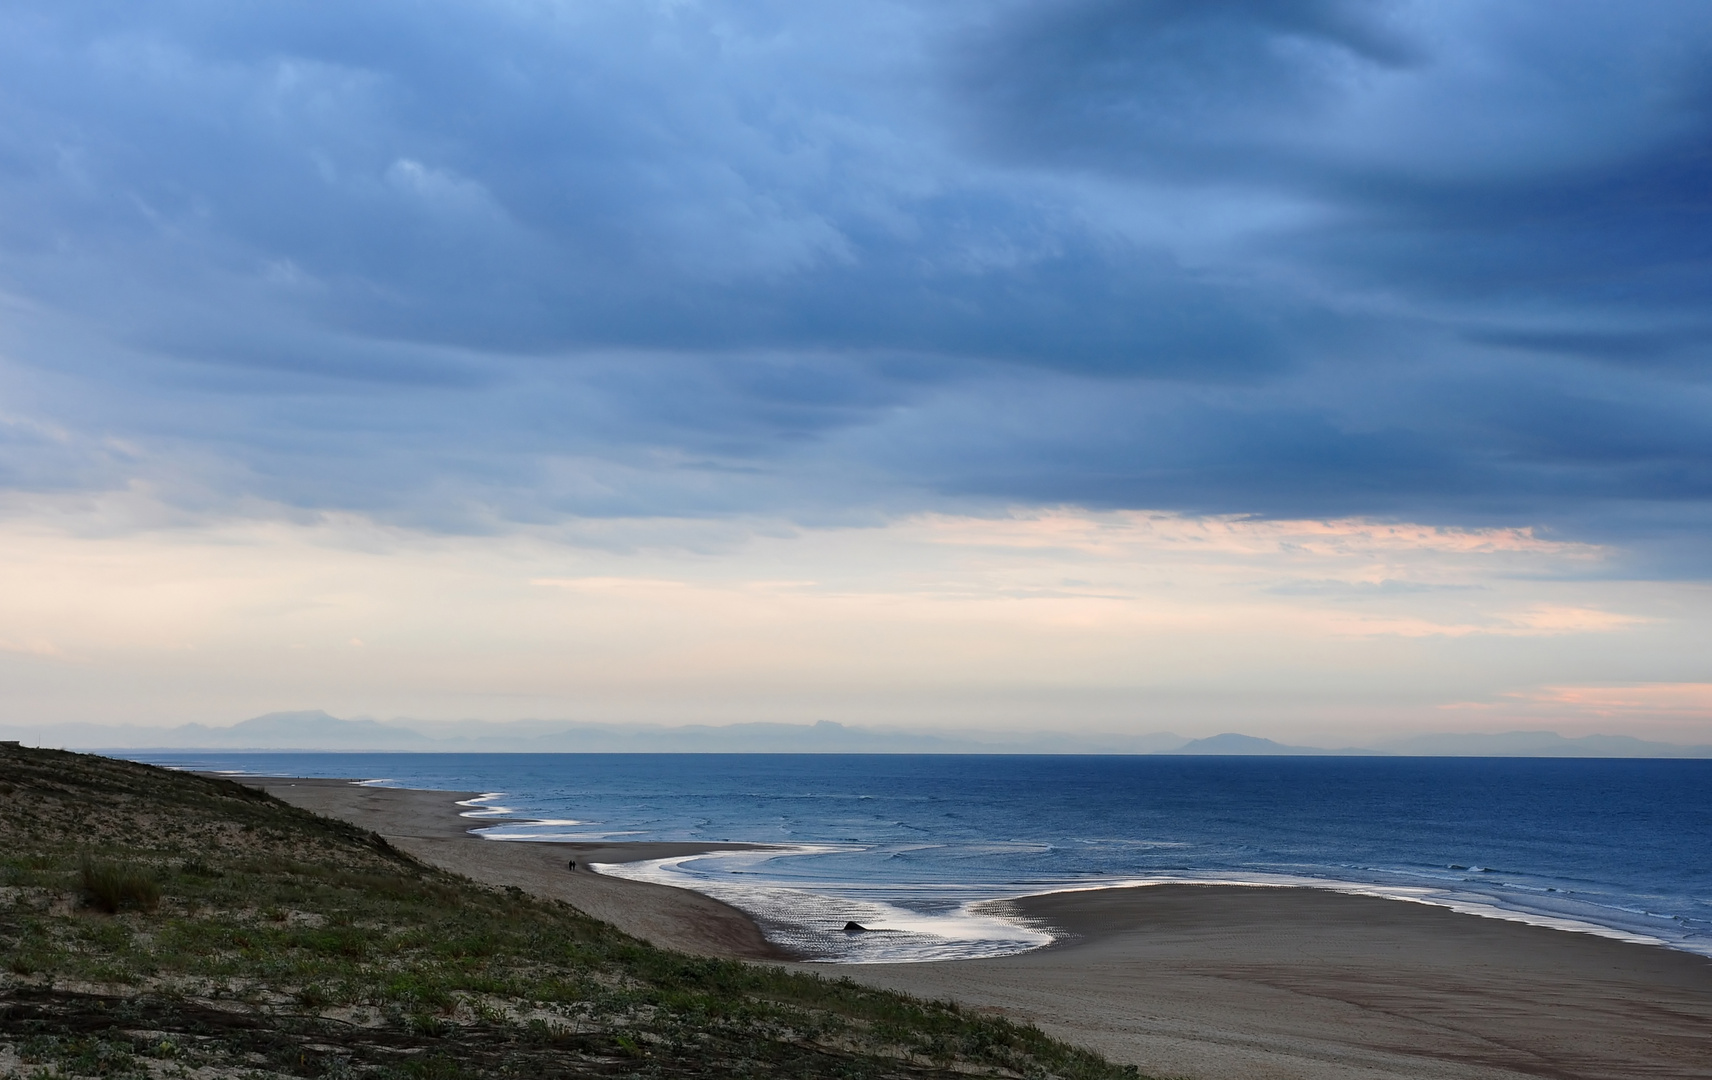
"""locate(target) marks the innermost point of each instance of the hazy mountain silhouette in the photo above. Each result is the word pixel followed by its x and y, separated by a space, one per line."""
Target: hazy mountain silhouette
pixel 314 729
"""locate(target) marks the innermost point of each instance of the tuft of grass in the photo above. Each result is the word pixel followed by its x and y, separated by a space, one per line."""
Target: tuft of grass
pixel 115 887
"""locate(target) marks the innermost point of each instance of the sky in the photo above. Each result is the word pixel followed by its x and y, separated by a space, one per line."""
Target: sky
pixel 1323 370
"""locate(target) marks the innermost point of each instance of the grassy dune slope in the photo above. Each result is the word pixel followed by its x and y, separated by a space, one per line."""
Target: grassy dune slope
pixel 156 924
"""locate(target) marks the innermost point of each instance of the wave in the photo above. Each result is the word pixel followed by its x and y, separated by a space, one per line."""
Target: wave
pixel 812 922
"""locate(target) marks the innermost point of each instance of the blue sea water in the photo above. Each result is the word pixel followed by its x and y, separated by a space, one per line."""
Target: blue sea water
pixel 918 844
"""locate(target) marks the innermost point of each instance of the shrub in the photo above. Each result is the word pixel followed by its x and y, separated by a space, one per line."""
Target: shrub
pixel 112 887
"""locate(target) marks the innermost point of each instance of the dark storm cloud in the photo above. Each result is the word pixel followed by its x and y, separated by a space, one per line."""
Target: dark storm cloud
pixel 475 262
pixel 1218 89
pixel 1555 154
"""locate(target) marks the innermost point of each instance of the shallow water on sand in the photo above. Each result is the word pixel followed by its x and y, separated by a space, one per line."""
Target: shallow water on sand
pixel 917 845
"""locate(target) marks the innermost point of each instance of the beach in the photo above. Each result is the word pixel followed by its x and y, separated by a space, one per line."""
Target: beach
pixel 431 826
pixel 1210 982
pixel 1230 981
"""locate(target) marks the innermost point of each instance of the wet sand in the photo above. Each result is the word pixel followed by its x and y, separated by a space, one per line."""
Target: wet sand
pixel 1214 982
pixel 1227 981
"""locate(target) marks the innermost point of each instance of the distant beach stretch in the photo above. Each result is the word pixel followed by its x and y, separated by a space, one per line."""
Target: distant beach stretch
pixel 1200 981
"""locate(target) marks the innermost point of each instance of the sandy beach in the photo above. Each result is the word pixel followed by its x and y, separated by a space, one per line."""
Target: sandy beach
pixel 430 826
pixel 1227 981
pixel 1213 982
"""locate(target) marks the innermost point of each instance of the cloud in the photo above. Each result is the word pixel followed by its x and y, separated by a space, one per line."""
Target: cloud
pixel 471 266
pixel 1691 701
pixel 35 648
pixel 1226 88
pixel 1668 709
pixel 1133 533
pixel 1541 620
pixel 1111 620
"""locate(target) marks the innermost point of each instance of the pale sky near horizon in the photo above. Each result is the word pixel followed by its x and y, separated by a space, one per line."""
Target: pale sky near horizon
pixel 1328 370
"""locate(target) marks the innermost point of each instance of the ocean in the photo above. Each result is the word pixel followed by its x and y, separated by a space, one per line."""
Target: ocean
pixel 918 844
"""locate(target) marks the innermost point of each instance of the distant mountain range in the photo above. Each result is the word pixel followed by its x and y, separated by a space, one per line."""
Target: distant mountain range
pixel 316 730
pixel 1231 744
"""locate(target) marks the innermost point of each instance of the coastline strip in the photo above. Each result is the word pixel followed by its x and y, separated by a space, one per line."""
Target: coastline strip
pixel 1213 982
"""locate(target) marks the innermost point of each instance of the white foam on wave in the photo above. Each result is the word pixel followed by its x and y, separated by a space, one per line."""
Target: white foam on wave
pixel 484 806
pixel 811 922
pixel 514 828
pixel 957 922
pixel 535 832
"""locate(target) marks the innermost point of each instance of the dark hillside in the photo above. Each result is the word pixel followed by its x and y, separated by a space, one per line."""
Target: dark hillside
pixel 157 924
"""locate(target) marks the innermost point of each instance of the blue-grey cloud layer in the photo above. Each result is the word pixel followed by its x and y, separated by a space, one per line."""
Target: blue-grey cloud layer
pixel 448 261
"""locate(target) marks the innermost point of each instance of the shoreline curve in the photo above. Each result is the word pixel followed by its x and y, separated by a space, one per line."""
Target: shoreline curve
pixel 1213 982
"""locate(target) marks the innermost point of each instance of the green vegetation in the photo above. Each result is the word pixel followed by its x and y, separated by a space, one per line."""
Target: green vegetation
pixel 155 924
pixel 113 887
